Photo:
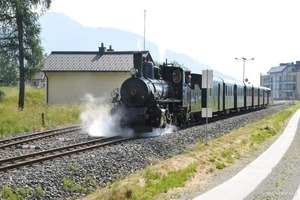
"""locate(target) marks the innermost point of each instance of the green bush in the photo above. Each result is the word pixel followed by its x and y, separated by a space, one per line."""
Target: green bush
pixel 220 165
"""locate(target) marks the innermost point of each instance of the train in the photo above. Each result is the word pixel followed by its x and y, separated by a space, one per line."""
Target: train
pixel 157 96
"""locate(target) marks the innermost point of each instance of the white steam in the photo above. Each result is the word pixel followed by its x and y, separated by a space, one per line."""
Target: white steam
pixel 98 122
pixel 161 131
pixel 96 118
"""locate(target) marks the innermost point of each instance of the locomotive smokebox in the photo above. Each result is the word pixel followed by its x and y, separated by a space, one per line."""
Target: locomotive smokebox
pixel 138 63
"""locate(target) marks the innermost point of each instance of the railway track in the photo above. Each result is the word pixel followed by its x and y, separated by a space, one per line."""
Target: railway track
pixel 46 155
pixel 38 157
pixel 25 139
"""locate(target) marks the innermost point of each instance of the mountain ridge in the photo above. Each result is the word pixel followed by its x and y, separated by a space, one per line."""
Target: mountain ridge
pixel 61 33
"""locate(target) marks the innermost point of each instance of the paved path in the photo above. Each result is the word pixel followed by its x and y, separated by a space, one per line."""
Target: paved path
pixel 242 184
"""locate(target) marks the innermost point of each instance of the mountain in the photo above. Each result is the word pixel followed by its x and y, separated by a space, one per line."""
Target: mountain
pixel 61 33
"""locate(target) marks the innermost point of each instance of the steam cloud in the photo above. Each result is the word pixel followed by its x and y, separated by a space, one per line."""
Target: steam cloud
pixel 98 122
pixel 96 117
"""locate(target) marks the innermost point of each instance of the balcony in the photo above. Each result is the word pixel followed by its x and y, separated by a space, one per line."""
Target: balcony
pixel 288 81
pixel 268 82
pixel 284 89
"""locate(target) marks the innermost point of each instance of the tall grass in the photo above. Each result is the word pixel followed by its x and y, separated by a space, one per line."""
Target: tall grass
pixel 12 120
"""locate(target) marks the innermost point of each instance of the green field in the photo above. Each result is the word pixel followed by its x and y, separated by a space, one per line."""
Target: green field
pixel 13 120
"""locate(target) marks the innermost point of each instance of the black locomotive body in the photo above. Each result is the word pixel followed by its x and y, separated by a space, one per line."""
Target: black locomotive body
pixel 152 97
pixel 156 96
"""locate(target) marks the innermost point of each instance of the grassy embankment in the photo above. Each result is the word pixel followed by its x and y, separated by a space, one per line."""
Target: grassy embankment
pixel 188 172
pixel 14 121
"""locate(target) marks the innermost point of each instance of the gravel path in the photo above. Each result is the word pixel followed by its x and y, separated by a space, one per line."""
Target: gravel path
pixel 99 167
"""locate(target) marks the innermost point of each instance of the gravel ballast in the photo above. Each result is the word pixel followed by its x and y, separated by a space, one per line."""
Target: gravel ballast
pixel 102 166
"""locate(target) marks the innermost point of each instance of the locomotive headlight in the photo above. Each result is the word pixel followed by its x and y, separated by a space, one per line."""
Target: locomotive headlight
pixel 133 71
pixel 114 94
pixel 156 95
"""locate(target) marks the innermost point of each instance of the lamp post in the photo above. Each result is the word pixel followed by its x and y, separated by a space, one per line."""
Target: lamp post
pixel 244 60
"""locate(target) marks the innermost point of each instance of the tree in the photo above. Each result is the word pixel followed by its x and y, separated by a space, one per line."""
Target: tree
pixel 177 64
pixel 173 63
pixel 19 37
pixel 8 72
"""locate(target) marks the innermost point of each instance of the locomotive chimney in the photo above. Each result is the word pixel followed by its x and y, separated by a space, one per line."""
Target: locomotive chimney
pixel 138 63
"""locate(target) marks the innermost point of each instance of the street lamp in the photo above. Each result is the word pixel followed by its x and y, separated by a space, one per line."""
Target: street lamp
pixel 244 60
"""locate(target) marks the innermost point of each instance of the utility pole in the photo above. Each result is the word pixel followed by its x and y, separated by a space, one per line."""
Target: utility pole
pixel 144 29
pixel 244 60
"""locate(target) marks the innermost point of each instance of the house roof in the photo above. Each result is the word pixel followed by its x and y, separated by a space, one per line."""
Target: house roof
pixel 102 60
pixel 277 69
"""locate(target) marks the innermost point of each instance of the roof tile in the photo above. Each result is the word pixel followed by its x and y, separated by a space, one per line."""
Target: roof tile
pixel 91 61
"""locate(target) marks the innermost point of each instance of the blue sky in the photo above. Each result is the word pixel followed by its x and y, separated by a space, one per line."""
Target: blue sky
pixel 213 32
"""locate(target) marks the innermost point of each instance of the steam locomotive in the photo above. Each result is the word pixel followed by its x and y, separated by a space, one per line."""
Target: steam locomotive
pixel 154 97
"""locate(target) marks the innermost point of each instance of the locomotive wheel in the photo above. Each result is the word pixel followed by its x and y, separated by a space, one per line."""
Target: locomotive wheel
pixel 182 117
pixel 197 117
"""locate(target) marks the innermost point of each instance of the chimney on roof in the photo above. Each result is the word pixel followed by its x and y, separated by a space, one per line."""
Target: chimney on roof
pixel 110 49
pixel 102 49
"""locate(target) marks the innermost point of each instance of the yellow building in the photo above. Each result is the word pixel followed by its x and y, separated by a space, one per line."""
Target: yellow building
pixel 70 76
